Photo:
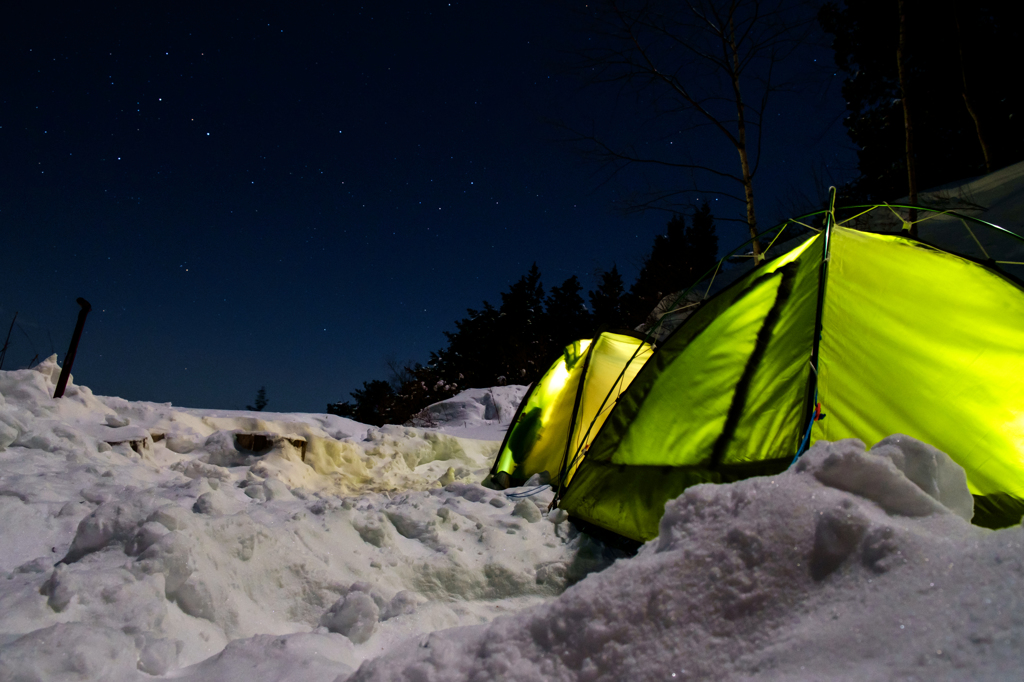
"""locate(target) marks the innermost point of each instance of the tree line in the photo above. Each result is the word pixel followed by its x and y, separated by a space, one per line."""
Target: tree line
pixel 929 91
pixel 516 341
pixel 929 101
pixel 928 86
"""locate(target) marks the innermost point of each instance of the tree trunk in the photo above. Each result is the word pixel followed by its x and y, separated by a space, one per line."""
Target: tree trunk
pixel 967 97
pixel 908 124
pixel 741 145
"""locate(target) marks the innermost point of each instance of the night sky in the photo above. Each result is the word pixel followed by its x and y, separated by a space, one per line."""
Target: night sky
pixel 289 195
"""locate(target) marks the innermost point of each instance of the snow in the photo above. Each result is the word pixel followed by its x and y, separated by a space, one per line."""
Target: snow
pixel 145 541
pixel 475 413
pixel 801 576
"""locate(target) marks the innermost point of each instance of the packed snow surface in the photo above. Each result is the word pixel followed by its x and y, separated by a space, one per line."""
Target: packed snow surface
pixel 143 541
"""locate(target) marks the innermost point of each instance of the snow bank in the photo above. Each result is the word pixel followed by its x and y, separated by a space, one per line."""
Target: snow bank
pixel 475 412
pixel 843 568
pixel 141 539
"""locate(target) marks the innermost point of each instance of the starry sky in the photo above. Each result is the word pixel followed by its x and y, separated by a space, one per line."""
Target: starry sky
pixel 291 195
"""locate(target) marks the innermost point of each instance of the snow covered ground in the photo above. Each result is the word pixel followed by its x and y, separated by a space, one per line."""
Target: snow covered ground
pixel 142 541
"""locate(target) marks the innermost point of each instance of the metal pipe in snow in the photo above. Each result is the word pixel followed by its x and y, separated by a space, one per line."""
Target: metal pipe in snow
pixel 69 359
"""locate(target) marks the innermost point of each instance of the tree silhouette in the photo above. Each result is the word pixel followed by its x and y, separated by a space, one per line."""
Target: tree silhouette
pixel 677 260
pixel 567 316
pixel 960 99
pixel 704 67
pixel 261 400
pixel 607 301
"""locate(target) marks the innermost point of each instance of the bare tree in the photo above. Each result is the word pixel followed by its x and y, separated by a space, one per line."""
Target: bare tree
pixel 968 98
pixel 908 121
pixel 696 65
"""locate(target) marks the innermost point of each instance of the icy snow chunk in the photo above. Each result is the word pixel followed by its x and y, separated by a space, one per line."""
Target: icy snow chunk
pixel 554 575
pixel 159 655
pixel 115 421
pixel 220 449
pixel 197 469
pixel 276 490
pixel 49 369
pixel 145 537
pixel 50 437
pixel 355 615
pixel 10 428
pixel 171 556
pixel 110 522
pixel 172 517
pixel 402 604
pixel 558 515
pixel 415 446
pixel 447 477
pixel 8 434
pixel 367 588
pixel 256 491
pixel 57 589
pixel 847 466
pixel 469 491
pixel 197 598
pixel 134 603
pixel 215 503
pixel 180 444
pixel 836 536
pixel 411 524
pixel 473 406
pixel 328 456
pixel 932 470
pixel 527 510
pixel 308 657
pixel 374 528
pixel 69 652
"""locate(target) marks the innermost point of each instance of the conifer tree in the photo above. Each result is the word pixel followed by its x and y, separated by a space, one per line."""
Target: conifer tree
pixel 261 400
pixel 677 260
pixel 372 402
pixel 607 301
pixel 567 316
pixel 524 344
pixel 961 100
pixel 702 239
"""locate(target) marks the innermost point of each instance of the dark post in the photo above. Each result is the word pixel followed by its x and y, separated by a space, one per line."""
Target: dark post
pixel 7 341
pixel 69 359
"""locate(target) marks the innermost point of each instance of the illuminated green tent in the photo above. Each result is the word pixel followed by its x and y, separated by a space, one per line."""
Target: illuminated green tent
pixel 882 331
pixel 564 410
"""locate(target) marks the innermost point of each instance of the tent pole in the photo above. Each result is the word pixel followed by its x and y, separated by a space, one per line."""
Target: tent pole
pixel 812 382
pixel 563 470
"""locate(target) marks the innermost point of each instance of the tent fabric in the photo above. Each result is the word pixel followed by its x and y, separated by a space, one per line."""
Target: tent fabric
pixel 728 387
pixel 530 444
pixel 925 343
pixel 912 340
pixel 565 409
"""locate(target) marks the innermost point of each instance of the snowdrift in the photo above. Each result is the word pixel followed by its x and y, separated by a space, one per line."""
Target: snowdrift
pixel 141 538
pixel 143 541
pixel 844 568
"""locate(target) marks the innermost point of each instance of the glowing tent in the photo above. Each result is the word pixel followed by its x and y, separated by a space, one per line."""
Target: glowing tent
pixel 563 411
pixel 848 335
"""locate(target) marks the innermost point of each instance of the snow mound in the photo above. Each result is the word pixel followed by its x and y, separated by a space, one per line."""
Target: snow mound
pixel 144 541
pixel 844 567
pixel 475 412
pixel 141 539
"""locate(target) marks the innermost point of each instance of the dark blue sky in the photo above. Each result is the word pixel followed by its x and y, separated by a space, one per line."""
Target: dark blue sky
pixel 287 196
